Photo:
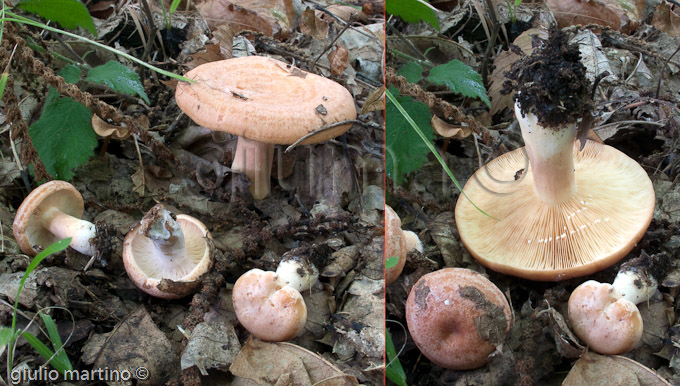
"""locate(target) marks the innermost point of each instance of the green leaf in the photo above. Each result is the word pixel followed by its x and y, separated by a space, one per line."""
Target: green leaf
pixel 412 71
pixel 44 351
pixel 461 78
pixel 174 5
pixel 391 262
pixel 63 136
pixel 405 151
pixel 5 336
pixel 60 358
pixel 412 11
pixel 119 78
pixel 70 73
pixel 394 371
pixel 68 13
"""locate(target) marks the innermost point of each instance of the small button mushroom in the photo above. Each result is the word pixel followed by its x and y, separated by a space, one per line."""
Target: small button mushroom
pixel 52 212
pixel 165 256
pixel 268 308
pixel 605 316
pixel 264 102
pixel 398 243
pixel 457 318
pixel 297 272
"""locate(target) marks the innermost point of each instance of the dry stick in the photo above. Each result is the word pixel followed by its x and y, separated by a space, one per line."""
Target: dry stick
pixel 492 40
pixel 408 43
pixel 329 45
pixel 665 64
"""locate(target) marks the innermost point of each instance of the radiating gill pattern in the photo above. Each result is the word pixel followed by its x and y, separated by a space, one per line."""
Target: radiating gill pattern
pixel 592 230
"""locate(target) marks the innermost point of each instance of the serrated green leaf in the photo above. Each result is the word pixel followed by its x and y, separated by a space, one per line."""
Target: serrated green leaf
pixel 394 371
pixel 119 78
pixel 413 11
pixel 412 71
pixel 70 73
pixel 67 13
pixel 461 78
pixel 405 151
pixel 63 137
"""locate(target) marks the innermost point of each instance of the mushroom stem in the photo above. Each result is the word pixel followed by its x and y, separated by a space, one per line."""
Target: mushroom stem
pixel 162 229
pixel 551 157
pixel 80 231
pixel 255 160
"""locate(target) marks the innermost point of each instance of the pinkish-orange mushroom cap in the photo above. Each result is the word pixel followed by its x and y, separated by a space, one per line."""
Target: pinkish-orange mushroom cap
pixel 268 309
pixel 457 317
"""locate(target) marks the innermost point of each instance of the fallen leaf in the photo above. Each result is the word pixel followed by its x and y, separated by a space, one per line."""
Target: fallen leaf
pixel 345 13
pixel 667 18
pixel 375 101
pixel 448 130
pixel 622 15
pixel 592 368
pixel 339 60
pixel 212 53
pixel 312 25
pixel 213 344
pixel 270 17
pixel 284 363
pixel 105 129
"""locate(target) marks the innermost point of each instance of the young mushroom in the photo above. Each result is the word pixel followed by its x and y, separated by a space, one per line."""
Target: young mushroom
pixel 564 213
pixel 52 212
pixel 398 243
pixel 297 272
pixel 267 307
pixel 605 316
pixel 166 255
pixel 457 318
pixel 264 102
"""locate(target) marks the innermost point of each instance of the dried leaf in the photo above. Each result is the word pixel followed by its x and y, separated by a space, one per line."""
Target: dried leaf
pixel 105 129
pixel 667 19
pixel 448 130
pixel 592 368
pixel 212 53
pixel 344 13
pixel 339 60
pixel 622 15
pixel 375 101
pixel 270 17
pixel 268 363
pixel 312 25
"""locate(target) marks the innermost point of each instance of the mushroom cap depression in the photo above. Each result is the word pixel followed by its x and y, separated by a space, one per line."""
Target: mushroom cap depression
pixel 29 227
pixel 609 212
pixel 264 100
pixel 147 267
pixel 457 317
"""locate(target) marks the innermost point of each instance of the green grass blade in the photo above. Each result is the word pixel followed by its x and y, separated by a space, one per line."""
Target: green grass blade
pixel 394 372
pixel 44 351
pixel 55 338
pixel 174 5
pixel 432 149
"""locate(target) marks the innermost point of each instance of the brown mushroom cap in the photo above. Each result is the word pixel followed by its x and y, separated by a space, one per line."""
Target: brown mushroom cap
pixel 457 317
pixel 603 320
pixel 29 224
pixel 147 267
pixel 609 212
pixel 268 309
pixel 264 100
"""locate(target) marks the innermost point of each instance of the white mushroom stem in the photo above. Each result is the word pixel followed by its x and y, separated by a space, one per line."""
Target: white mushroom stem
pixel 165 234
pixel 413 241
pixel 635 286
pixel 255 160
pixel 80 231
pixel 550 152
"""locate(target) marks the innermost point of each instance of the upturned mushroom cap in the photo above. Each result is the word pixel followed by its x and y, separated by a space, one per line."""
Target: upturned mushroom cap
pixel 612 207
pixel 264 100
pixel 147 266
pixel 30 226
pixel 601 318
pixel 457 317
pixel 268 309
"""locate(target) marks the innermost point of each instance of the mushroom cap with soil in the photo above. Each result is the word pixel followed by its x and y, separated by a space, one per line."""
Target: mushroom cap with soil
pixel 264 102
pixel 457 317
pixel 165 256
pixel 555 226
pixel 52 212
pixel 267 307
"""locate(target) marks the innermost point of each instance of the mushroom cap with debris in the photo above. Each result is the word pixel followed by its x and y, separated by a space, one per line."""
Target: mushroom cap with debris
pixel 265 100
pixel 612 207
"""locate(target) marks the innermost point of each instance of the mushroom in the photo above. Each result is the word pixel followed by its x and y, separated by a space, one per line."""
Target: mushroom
pixel 565 213
pixel 267 307
pixel 52 212
pixel 457 318
pixel 264 102
pixel 166 255
pixel 297 272
pixel 605 316
pixel 398 243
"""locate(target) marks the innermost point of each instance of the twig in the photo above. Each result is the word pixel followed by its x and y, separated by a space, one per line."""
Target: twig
pixel 329 45
pixel 665 64
pixel 319 130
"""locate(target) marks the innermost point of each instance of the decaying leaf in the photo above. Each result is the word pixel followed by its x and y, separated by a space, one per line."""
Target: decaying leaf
pixel 448 130
pixel 592 368
pixel 345 13
pixel 212 53
pixel 312 25
pixel 622 15
pixel 375 101
pixel 339 60
pixel 213 344
pixel 667 18
pixel 284 363
pixel 105 129
pixel 270 17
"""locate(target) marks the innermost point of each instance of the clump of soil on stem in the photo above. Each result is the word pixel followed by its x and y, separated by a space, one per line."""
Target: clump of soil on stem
pixel 551 83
